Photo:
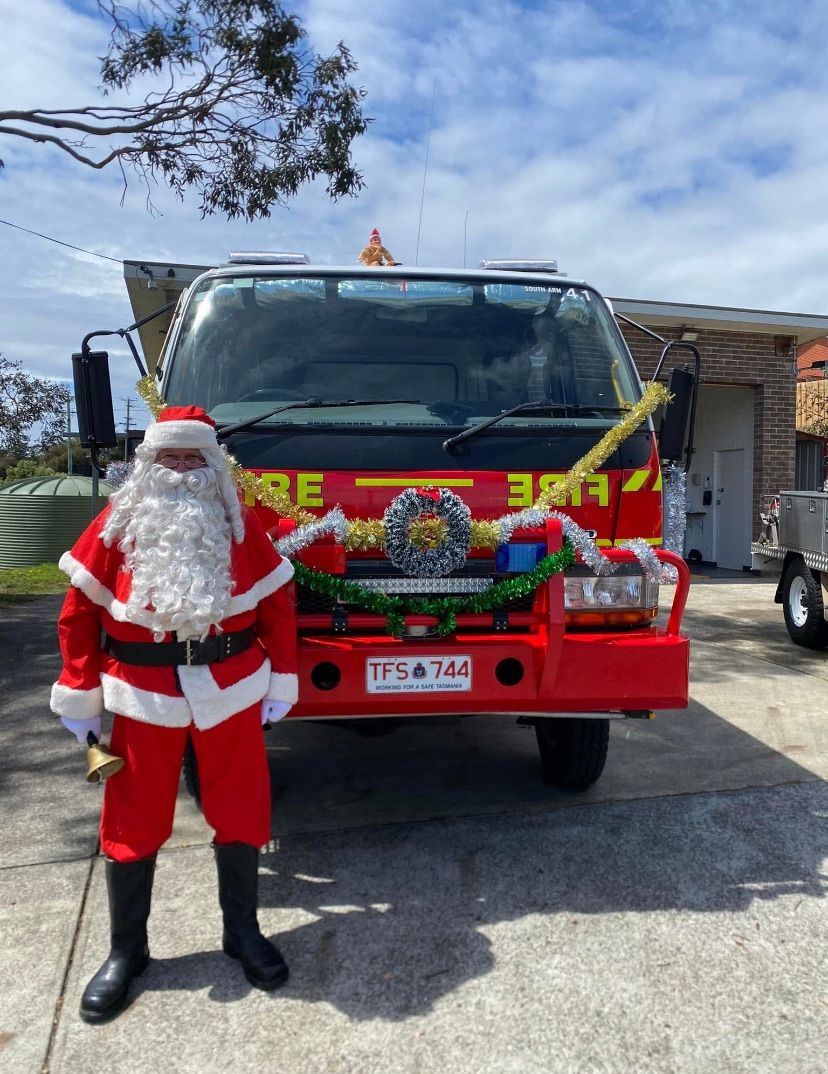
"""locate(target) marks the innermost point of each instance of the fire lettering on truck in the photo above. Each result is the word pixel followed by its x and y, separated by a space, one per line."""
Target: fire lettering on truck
pixel 522 492
pixel 307 492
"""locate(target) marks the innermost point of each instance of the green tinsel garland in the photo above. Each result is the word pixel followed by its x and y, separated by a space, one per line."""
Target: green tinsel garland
pixel 445 608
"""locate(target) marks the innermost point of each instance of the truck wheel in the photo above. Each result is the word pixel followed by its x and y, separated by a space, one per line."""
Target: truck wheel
pixel 803 607
pixel 191 780
pixel 573 752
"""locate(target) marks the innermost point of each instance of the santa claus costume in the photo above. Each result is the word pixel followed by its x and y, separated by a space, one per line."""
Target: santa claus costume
pixel 375 253
pixel 180 621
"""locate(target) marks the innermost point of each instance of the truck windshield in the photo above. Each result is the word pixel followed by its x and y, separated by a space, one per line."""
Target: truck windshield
pixel 461 349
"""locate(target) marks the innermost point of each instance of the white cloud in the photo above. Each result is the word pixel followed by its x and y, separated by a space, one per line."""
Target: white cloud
pixel 666 151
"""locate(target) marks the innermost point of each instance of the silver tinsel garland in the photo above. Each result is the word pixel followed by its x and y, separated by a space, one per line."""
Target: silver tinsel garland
pixel 656 571
pixel 591 554
pixel 334 522
pixel 116 473
pixel 675 509
pixel 535 518
pixel 530 518
pixel 450 554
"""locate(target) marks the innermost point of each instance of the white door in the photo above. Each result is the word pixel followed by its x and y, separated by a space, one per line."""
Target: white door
pixel 732 543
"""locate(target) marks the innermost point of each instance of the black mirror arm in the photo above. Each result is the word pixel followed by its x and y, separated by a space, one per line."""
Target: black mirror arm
pixel 124 334
pixel 647 331
pixel 669 345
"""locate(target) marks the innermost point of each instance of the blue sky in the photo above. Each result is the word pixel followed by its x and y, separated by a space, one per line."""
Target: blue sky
pixel 669 151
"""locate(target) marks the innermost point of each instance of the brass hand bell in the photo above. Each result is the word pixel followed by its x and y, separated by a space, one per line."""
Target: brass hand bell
pixel 100 763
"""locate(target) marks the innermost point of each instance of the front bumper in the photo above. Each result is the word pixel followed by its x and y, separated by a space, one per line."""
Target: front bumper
pixel 546 669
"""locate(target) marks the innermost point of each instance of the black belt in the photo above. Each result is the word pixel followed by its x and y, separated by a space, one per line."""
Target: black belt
pixel 174 653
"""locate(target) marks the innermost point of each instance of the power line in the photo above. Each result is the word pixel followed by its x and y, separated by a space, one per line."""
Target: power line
pixel 49 238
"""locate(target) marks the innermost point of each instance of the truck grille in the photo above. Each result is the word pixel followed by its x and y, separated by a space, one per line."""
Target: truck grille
pixel 380 576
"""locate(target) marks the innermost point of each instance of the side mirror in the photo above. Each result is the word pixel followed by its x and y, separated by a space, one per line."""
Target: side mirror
pixel 93 401
pixel 672 434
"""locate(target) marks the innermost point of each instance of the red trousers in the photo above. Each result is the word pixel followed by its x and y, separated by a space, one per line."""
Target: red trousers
pixel 139 801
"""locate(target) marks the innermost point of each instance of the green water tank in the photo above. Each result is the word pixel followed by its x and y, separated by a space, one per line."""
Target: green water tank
pixel 42 517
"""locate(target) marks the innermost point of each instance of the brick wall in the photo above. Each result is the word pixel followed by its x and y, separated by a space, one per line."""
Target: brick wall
pixel 746 359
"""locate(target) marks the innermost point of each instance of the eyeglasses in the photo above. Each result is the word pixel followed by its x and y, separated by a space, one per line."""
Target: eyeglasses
pixel 172 462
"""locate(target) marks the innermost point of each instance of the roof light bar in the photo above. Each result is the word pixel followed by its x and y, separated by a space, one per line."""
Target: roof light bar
pixel 245 257
pixel 501 264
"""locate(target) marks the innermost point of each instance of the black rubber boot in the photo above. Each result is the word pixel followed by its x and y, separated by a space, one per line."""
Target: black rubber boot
pixel 129 885
pixel 238 882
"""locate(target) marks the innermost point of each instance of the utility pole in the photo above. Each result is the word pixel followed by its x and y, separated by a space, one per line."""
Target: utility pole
pixel 69 436
pixel 126 436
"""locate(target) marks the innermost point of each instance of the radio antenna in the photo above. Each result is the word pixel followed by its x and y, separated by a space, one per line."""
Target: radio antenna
pixel 425 172
pixel 465 228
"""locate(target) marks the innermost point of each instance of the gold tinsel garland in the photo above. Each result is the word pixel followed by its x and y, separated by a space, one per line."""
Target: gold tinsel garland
pixel 270 497
pixel 368 534
pixel 556 494
pixel 148 390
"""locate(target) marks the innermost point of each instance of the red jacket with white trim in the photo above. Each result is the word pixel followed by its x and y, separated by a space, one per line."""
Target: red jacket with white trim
pixel 92 679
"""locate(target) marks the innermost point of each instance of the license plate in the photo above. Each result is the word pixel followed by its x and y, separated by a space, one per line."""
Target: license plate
pixel 416 674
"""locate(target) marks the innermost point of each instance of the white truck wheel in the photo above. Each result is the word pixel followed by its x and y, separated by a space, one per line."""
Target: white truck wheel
pixel 803 607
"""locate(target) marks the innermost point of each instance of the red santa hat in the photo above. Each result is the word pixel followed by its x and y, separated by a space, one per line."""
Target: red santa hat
pixel 375 235
pixel 182 427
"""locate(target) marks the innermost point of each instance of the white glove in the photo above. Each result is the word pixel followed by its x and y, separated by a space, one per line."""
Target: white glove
pixel 273 711
pixel 81 728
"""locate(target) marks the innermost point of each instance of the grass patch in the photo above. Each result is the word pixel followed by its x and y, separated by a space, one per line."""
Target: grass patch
pixel 20 584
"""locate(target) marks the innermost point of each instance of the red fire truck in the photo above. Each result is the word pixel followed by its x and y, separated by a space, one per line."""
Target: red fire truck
pixel 346 387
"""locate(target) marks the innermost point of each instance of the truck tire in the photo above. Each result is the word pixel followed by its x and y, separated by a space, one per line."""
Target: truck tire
pixel 573 752
pixel 803 607
pixel 191 780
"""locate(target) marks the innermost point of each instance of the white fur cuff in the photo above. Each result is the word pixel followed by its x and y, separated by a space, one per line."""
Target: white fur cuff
pixel 283 688
pixel 76 704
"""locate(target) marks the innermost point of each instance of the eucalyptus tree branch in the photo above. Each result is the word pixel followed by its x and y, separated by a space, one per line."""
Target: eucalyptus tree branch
pixel 246 115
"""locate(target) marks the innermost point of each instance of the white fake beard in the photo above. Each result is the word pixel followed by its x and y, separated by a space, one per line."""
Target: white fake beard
pixel 177 549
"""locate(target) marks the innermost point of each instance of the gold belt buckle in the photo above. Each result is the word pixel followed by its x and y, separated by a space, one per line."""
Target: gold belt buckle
pixel 187 649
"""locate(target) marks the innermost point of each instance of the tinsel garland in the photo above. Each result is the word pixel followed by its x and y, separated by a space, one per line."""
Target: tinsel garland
pixel 369 534
pixel 365 535
pixel 446 609
pixel 590 553
pixel 496 532
pixel 435 562
pixel 535 518
pixel 675 508
pixel 485 533
pixel 116 473
pixel 148 390
pixel 334 522
pixel 279 502
pixel 655 570
pixel 556 494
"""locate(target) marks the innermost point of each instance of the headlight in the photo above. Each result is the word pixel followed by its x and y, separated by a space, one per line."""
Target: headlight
pixel 625 598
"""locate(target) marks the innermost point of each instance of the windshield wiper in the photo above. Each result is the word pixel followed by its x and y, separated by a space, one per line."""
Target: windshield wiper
pixel 542 405
pixel 300 404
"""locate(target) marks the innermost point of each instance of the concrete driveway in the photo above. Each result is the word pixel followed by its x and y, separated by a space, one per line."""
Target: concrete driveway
pixel 441 909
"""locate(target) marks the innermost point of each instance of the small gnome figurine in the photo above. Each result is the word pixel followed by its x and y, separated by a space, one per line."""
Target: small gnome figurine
pixel 375 253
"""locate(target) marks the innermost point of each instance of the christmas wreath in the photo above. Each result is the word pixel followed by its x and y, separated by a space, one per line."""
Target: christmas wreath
pixel 450 554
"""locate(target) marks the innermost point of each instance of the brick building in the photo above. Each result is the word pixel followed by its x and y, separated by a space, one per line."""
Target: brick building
pixel 745 443
pixel 812 414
